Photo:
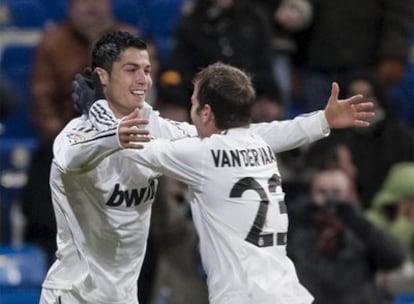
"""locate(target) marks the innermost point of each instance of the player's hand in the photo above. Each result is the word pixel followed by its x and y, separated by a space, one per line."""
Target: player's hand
pixel 354 111
pixel 86 90
pixel 131 132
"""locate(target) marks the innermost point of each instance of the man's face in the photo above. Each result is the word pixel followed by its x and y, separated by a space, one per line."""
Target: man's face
pixel 89 13
pixel 129 82
pixel 331 184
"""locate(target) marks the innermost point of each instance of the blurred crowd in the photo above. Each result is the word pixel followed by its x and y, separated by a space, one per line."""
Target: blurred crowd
pixel 350 196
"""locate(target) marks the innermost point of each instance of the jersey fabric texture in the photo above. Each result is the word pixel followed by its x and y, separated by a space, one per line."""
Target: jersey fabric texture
pixel 238 209
pixel 102 200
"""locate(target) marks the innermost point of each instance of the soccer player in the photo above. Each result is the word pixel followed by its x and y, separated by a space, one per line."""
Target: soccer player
pixel 102 199
pixel 237 201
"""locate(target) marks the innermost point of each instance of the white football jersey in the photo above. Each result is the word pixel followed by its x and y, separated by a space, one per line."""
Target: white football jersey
pixel 102 203
pixel 102 200
pixel 238 209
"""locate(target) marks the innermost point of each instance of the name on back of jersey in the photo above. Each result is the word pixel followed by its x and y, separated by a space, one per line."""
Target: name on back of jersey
pixel 253 157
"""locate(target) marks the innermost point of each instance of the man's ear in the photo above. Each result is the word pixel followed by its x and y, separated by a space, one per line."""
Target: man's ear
pixel 207 114
pixel 103 75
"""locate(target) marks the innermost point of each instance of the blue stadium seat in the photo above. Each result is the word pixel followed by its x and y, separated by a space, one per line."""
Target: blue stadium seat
pixel 55 9
pixel 404 299
pixel 162 15
pixel 22 271
pixel 16 64
pixel 132 12
pixel 20 295
pixel 22 266
pixel 16 60
pixel 162 18
pixel 24 13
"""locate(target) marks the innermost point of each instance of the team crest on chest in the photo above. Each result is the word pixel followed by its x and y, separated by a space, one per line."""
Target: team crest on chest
pixel 74 137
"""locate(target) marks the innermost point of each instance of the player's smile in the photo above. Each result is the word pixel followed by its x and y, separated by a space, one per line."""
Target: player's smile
pixel 138 92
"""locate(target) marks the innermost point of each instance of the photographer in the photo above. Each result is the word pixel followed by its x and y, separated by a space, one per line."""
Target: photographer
pixel 393 210
pixel 336 251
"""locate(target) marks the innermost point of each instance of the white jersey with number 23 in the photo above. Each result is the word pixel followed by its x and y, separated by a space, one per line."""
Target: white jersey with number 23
pixel 238 208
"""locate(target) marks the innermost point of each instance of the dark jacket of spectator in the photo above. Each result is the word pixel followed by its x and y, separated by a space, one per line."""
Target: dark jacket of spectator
pixel 337 253
pixel 239 35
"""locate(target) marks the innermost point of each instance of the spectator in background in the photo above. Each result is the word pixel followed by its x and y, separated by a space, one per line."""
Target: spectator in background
pixel 373 150
pixel 336 251
pixel 233 32
pixel 369 33
pixel 330 153
pixel 385 142
pixel 287 17
pixel 393 210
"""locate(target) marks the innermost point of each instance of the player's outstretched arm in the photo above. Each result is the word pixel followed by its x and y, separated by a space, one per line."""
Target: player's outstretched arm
pixel 307 128
pixel 354 111
pixel 173 158
pixel 130 134
pixel 79 149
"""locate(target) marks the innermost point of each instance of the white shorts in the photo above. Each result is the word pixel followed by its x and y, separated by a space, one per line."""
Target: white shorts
pixel 65 296
pixel 57 296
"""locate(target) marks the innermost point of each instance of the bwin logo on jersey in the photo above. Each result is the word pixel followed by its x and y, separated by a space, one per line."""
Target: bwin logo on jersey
pixel 131 197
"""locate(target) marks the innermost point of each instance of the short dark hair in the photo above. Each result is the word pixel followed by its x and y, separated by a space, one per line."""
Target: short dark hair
pixel 109 47
pixel 229 92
